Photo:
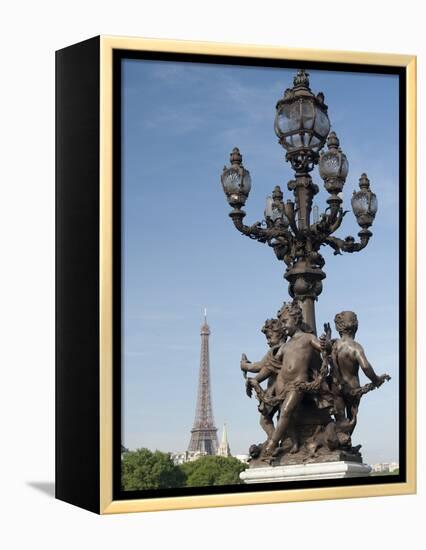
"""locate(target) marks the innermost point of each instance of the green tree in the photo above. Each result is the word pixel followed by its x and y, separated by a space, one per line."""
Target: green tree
pixel 144 469
pixel 213 470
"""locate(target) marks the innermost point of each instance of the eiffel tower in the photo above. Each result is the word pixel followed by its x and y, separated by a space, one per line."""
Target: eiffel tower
pixel 204 432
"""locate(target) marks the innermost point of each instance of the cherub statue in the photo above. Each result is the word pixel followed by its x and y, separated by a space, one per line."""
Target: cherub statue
pixel 300 362
pixel 347 356
pixel 266 369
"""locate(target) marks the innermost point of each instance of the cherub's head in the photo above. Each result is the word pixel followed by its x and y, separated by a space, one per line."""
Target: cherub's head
pixel 273 331
pixel 291 317
pixel 346 323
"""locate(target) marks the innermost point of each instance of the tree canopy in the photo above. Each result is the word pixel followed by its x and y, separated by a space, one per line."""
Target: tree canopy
pixel 213 470
pixel 144 469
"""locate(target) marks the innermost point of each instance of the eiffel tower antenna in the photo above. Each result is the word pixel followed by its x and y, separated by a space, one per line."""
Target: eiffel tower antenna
pixel 204 432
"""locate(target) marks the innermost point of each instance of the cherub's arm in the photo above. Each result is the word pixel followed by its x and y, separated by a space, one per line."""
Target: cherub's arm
pixel 367 368
pixel 257 366
pixel 324 342
pixel 316 343
pixel 264 373
pixel 251 383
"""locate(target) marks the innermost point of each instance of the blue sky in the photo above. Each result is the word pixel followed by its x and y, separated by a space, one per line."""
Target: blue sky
pixel 181 252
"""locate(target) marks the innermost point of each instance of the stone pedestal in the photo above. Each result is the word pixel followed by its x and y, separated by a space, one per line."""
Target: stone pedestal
pixel 301 472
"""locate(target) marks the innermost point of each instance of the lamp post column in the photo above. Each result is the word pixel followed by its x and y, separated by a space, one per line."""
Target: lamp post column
pixel 305 275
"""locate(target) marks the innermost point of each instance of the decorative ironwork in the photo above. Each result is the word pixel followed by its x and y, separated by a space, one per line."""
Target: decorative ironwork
pixel 309 405
pixel 302 126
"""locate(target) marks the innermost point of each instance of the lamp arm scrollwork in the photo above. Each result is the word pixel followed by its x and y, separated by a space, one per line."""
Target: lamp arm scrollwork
pixel 254 231
pixel 293 224
pixel 325 226
pixel 349 244
pixel 338 222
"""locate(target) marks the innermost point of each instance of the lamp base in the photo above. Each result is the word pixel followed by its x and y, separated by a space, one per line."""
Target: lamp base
pixel 302 472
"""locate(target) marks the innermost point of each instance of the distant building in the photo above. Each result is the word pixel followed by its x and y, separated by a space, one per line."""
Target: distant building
pixel 380 467
pixel 191 456
pixel 186 456
pixel 383 467
pixel 223 449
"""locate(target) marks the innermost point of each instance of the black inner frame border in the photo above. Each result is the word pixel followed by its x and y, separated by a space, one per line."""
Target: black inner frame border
pixel 118 56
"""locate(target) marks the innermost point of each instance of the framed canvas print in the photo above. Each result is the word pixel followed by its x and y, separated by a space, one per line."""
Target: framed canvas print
pixel 235 274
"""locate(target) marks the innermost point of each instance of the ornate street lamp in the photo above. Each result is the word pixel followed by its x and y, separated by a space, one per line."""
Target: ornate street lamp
pixel 303 128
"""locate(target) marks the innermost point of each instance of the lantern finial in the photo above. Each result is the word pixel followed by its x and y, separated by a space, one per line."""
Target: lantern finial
pixel 301 79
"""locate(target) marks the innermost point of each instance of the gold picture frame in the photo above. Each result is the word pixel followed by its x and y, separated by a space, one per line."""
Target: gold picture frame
pixel 106 504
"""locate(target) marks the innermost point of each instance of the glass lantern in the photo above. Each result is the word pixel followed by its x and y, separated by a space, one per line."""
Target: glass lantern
pixel 274 213
pixel 301 120
pixel 333 165
pixel 364 203
pixel 236 180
